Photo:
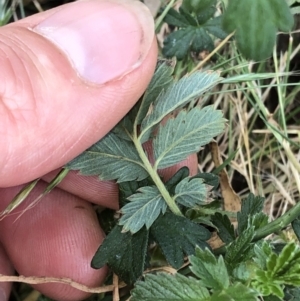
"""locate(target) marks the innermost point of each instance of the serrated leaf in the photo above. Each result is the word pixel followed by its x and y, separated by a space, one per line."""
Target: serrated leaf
pixel 236 292
pixel 160 81
pixel 262 253
pixel 178 43
pixel 281 269
pixel 241 272
pixel 197 6
pixel 179 94
pixel 210 269
pixel 185 134
pixel 178 236
pixel 239 249
pixel 209 179
pixel 176 19
pixel 250 206
pixel 165 287
pixel 202 41
pixel 214 27
pixel 194 29
pixel 190 192
pixel 124 253
pixel 224 226
pixel 143 209
pixel 111 158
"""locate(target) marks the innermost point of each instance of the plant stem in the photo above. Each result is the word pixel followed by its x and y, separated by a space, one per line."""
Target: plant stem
pixel 270 228
pixel 278 224
pixel 155 177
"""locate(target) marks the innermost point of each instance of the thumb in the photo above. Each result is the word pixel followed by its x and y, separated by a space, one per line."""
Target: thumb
pixel 67 77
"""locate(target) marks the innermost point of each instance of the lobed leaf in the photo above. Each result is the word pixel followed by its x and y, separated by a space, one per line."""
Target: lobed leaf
pixel 239 249
pixel 124 253
pixel 190 192
pixel 224 226
pixel 250 206
pixel 178 236
pixel 236 292
pixel 143 209
pixel 185 134
pixel 165 287
pixel 179 94
pixel 111 158
pixel 212 271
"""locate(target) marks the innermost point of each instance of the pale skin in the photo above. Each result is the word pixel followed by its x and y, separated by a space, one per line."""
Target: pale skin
pixel 49 115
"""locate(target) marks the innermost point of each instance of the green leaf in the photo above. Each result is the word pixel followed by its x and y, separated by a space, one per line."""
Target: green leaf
pixel 185 134
pixel 111 158
pixel 209 269
pixel 292 294
pixel 177 236
pixel 124 253
pixel 159 83
pixel 165 287
pixel 178 43
pixel 197 6
pixel 179 94
pixel 236 292
pixel 190 192
pixel 239 249
pixel 262 252
pixel 256 23
pixel 281 270
pixel 194 30
pixel 250 206
pixel 202 41
pixel 143 209
pixel 174 18
pixel 224 226
pixel 209 179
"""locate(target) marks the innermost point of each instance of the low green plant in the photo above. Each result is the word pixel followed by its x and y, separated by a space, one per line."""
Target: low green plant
pixel 170 215
pixel 254 22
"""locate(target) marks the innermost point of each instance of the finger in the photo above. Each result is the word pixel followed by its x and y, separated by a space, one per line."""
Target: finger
pixel 67 77
pixel 58 237
pixel 104 193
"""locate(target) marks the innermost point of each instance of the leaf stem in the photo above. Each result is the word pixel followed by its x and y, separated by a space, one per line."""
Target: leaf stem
pixel 270 228
pixel 278 223
pixel 155 177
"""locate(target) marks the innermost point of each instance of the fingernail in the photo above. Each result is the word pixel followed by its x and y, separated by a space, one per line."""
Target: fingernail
pixel 104 40
pixel 2 294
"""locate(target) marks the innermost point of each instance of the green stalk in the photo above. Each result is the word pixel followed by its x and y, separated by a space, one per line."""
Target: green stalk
pixel 278 224
pixel 155 177
pixel 273 227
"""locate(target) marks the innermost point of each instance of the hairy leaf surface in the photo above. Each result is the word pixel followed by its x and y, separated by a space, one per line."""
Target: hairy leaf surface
pixel 143 209
pixel 178 236
pixel 124 253
pixel 185 134
pixel 165 287
pixel 111 158
pixel 190 192
pixel 179 94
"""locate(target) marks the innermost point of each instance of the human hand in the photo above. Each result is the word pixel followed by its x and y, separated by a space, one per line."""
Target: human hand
pixel 68 76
